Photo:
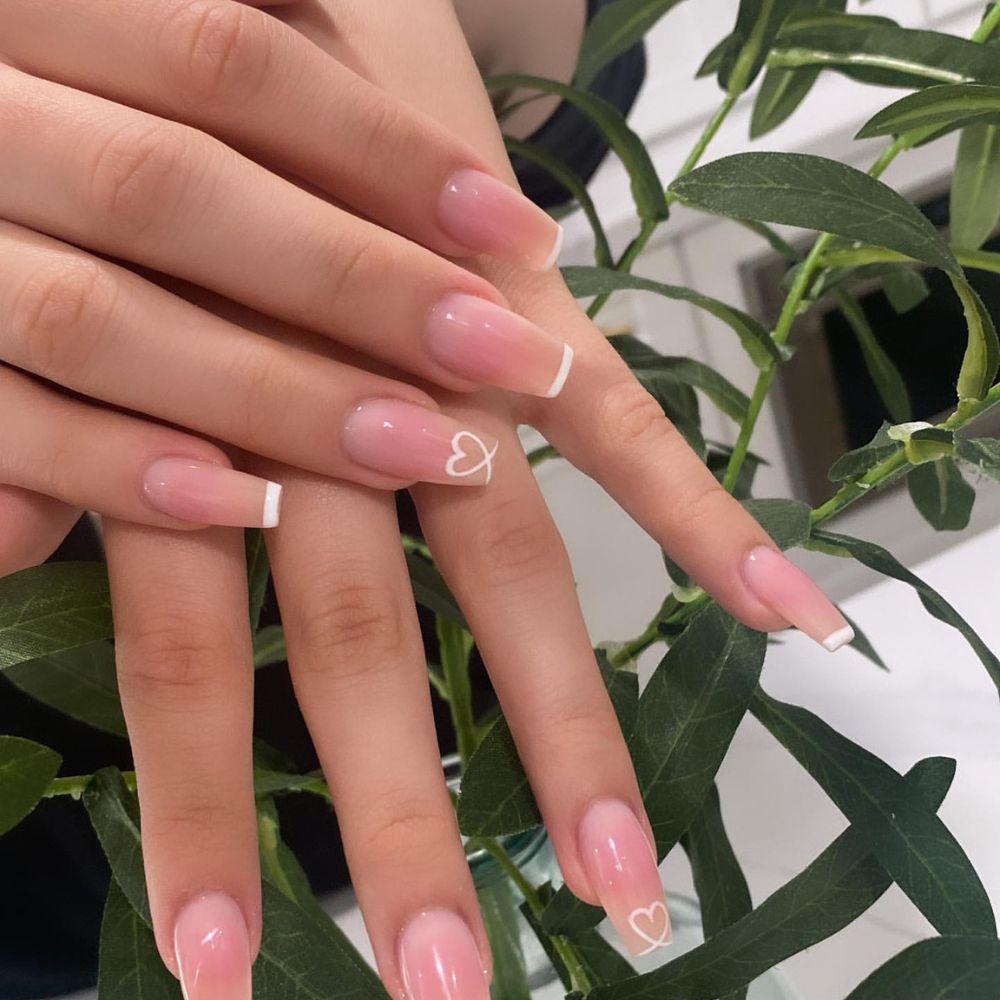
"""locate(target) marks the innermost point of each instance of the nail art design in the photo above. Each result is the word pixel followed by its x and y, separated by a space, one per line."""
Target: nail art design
pixel 459 453
pixel 652 923
pixel 790 592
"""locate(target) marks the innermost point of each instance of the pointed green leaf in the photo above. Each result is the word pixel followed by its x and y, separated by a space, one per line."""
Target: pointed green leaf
pixel 854 464
pixel 258 573
pixel 130 964
pixel 983 454
pixel 711 63
pixel 614 29
pixel 53 607
pixel 430 590
pixel 909 839
pixel 269 646
pixel 503 928
pixel 843 882
pixel 26 768
pixel 647 191
pixel 80 683
pixel 781 93
pixel 812 192
pixel 946 107
pixel 757 342
pixel 757 26
pixel 982 355
pixel 786 521
pixel 942 496
pixel 946 968
pixel 861 644
pixel 903 287
pixel 876 558
pixel 975 187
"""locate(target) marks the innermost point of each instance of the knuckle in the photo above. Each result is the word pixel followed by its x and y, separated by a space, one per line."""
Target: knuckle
pixel 628 415
pixel 705 505
pixel 216 51
pixel 356 623
pixel 58 313
pixel 409 826
pixel 139 177
pixel 383 120
pixel 356 264
pixel 187 814
pixel 577 724
pixel 515 544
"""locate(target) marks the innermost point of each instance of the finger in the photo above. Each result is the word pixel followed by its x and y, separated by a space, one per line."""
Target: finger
pixel 357 663
pixel 120 466
pixel 607 425
pixel 260 86
pixel 32 527
pixel 507 566
pixel 185 672
pixel 169 197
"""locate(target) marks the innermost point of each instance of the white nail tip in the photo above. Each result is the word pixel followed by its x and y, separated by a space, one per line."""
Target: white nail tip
pixel 272 505
pixel 560 380
pixel 841 637
pixel 553 257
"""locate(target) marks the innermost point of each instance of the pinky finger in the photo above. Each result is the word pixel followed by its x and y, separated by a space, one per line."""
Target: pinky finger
pixel 122 466
pixel 32 527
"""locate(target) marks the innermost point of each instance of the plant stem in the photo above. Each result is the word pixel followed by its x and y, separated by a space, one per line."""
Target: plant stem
pixel 649 227
pixel 563 947
pixel 456 645
pixel 990 23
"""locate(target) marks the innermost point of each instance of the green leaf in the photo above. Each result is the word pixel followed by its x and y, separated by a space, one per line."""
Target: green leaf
pixel 884 374
pixel 269 646
pixel 757 342
pixel 947 107
pixel 946 968
pixel 280 867
pixel 861 644
pixel 981 453
pixel 883 54
pixel 786 521
pixel 53 607
pixel 813 192
pixel 503 928
pixel 942 496
pixel 909 839
pixel 982 355
pixel 430 590
pixel 623 687
pixel 732 401
pixel 711 63
pixel 975 187
pixel 26 768
pixel 647 191
pixel 781 93
pixel 258 573
pixel 614 29
pixel 80 683
pixel 572 182
pixel 114 814
pixel 757 26
pixel 130 964
pixel 876 558
pixel 927 444
pixel 903 287
pixel 854 464
pixel 843 882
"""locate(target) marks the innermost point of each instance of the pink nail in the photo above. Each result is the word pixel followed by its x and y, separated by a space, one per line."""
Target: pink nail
pixel 619 862
pixel 415 444
pixel 213 950
pixel 479 340
pixel 439 960
pixel 211 494
pixel 488 216
pixel 777 582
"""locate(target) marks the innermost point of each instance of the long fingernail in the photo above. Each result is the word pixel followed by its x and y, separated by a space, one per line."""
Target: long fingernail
pixel 211 494
pixel 488 216
pixel 212 947
pixel 619 863
pixel 416 444
pixel 439 960
pixel 790 592
pixel 479 340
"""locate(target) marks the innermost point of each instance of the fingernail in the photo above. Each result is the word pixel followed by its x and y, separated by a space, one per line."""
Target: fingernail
pixel 790 592
pixel 211 494
pixel 212 947
pixel 416 444
pixel 479 340
pixel 619 862
pixel 439 960
pixel 488 216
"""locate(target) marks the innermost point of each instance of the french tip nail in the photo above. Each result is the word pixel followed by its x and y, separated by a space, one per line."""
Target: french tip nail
pixel 564 367
pixel 841 637
pixel 553 257
pixel 272 505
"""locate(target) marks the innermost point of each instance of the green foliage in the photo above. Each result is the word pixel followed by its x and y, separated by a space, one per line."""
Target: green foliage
pixel 26 768
pixel 975 188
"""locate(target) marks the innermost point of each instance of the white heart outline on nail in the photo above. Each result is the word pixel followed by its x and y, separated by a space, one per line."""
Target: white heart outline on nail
pixel 458 453
pixel 649 912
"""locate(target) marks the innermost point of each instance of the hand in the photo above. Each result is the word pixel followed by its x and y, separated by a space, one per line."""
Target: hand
pixel 185 675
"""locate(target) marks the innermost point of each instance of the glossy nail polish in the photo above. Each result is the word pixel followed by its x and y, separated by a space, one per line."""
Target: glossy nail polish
pixel 416 444
pixel 790 592
pixel 212 947
pixel 622 870
pixel 211 494
pixel 488 216
pixel 439 960
pixel 479 340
